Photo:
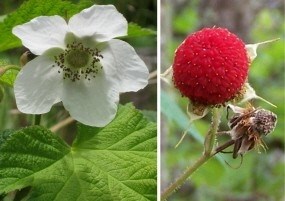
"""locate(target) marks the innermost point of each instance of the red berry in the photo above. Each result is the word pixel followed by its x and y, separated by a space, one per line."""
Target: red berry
pixel 210 66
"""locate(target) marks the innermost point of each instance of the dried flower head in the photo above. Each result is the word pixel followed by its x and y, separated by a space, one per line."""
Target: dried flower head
pixel 247 127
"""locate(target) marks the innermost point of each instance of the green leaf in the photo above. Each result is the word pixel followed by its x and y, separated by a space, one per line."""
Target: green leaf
pixel 31 9
pixel 2 17
pixel 135 30
pixel 150 115
pixel 9 77
pixel 117 162
pixel 34 8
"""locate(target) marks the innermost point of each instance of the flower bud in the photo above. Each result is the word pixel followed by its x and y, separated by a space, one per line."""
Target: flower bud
pixel 26 57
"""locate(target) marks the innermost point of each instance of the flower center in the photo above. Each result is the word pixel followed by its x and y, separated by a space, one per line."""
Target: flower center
pixel 79 62
pixel 77 58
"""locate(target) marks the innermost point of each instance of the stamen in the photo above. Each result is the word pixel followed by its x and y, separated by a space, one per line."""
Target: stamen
pixel 79 62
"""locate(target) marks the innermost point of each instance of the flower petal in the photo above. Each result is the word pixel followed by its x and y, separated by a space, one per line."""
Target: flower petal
pixel 42 33
pixel 92 103
pixel 38 86
pixel 131 71
pixel 101 22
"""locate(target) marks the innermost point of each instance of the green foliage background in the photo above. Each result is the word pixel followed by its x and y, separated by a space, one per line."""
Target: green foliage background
pixel 261 175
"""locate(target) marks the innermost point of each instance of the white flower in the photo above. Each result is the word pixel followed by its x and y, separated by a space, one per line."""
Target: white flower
pixel 79 63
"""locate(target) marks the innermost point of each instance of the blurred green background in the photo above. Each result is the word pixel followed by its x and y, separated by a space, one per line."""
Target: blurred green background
pixel 261 175
pixel 142 13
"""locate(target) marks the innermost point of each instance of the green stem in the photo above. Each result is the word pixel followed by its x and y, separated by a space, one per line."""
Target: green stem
pixel 211 136
pixel 37 120
pixel 208 146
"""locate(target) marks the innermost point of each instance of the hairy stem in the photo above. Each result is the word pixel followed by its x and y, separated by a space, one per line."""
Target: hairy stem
pixel 208 146
pixel 211 136
pixel 174 186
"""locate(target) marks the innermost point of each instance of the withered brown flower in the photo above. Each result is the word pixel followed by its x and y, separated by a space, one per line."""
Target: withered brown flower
pixel 247 127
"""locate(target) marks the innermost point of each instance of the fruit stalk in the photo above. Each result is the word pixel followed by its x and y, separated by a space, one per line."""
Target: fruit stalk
pixel 209 143
pixel 211 136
